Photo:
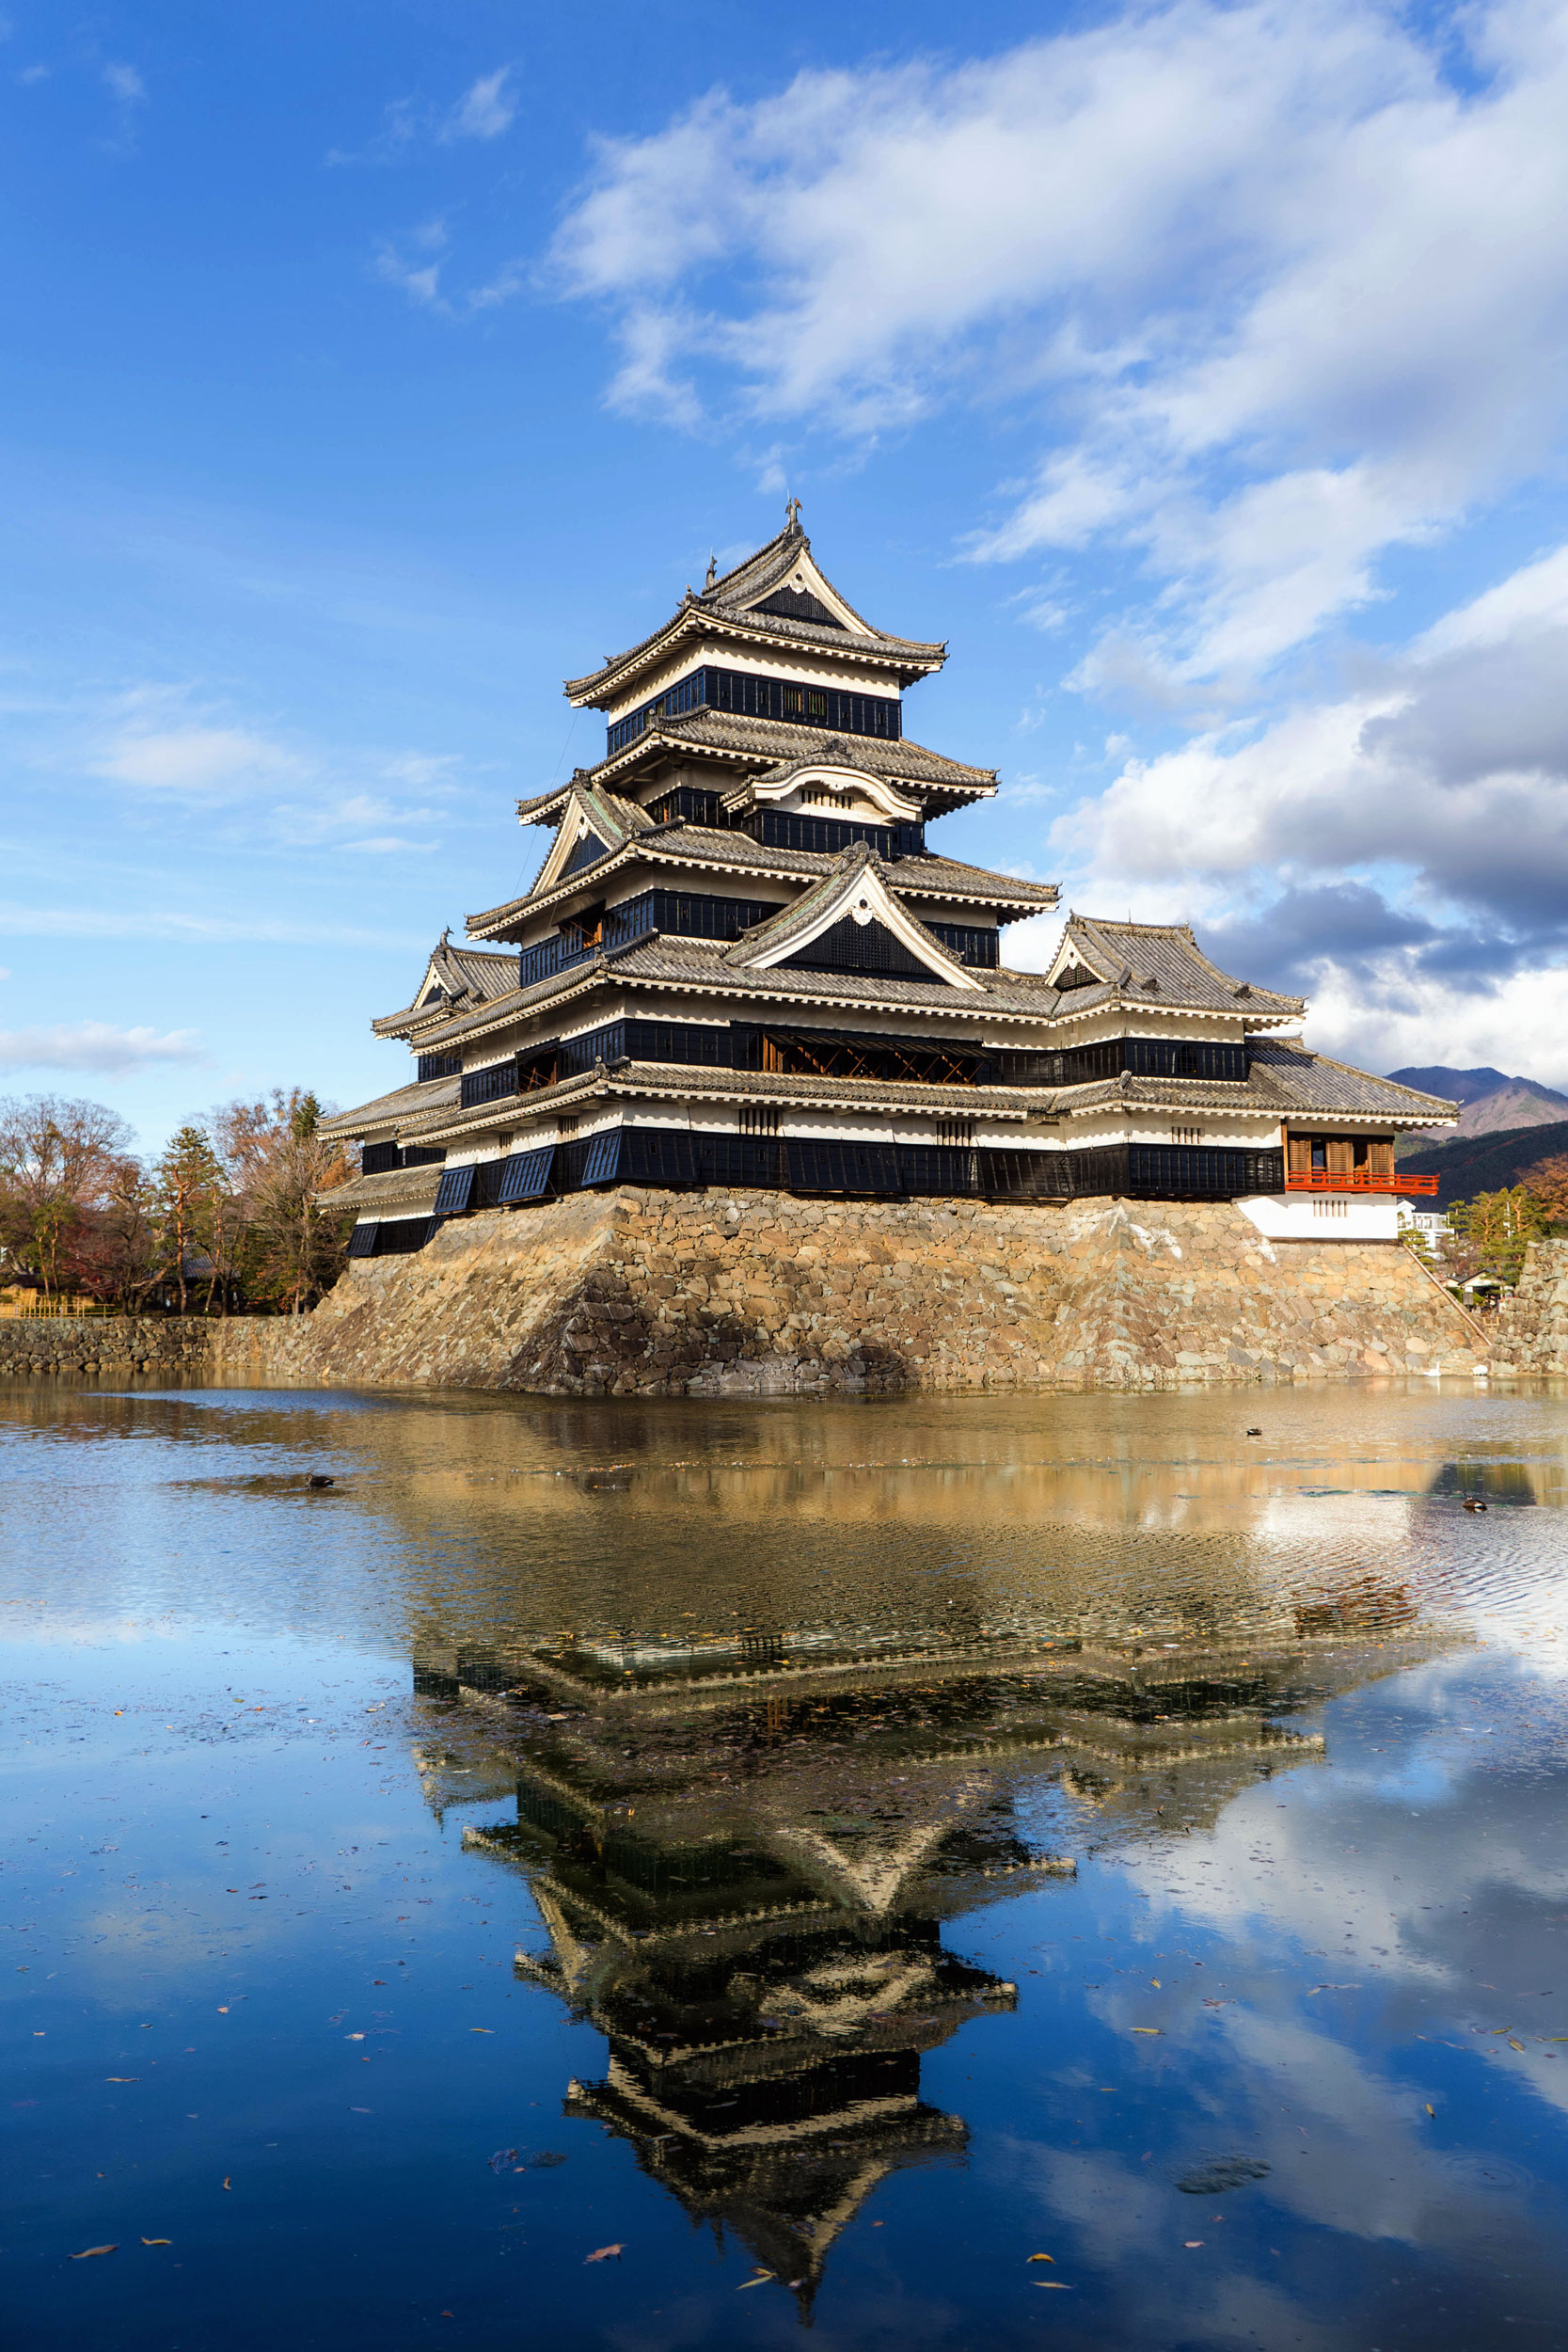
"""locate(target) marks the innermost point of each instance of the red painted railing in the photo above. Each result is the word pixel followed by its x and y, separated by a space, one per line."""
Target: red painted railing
pixel 1354 1180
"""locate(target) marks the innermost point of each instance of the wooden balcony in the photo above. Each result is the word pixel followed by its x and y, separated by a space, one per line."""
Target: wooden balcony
pixel 1356 1180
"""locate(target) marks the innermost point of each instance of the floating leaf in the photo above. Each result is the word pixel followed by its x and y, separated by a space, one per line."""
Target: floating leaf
pixel 1514 2045
pixel 135 2078
pixel 1043 2258
pixel 760 2281
pixel 157 2241
pixel 471 2029
pixel 1057 2286
pixel 1431 2109
pixel 226 2180
pixel 1155 2029
pixel 89 2251
pixel 1191 2242
pixel 603 2254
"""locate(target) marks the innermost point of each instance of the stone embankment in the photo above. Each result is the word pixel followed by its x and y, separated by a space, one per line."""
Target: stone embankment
pixel 639 1292
pixel 1530 1330
pixel 178 1345
pixel 645 1292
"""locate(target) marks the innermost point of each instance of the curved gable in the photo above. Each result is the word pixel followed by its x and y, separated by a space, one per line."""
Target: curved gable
pixel 850 921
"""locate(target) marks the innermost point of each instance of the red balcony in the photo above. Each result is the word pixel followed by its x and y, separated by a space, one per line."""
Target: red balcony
pixel 1354 1180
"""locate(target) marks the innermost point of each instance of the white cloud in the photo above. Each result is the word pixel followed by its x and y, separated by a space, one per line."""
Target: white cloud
pixel 96 1046
pixel 1398 850
pixel 486 109
pixel 1451 765
pixel 1282 293
pixel 124 82
pixel 195 761
pixel 419 274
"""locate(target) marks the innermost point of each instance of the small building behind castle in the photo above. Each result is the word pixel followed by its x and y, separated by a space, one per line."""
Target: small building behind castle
pixel 745 962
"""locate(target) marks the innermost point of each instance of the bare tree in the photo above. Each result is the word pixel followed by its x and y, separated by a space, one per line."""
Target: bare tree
pixel 120 1256
pixel 57 1161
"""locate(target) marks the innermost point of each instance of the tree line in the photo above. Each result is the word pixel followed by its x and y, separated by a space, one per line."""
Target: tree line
pixel 1492 1232
pixel 224 1215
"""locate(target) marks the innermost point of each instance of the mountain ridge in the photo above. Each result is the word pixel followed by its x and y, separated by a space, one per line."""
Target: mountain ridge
pixel 1491 1103
pixel 1490 1162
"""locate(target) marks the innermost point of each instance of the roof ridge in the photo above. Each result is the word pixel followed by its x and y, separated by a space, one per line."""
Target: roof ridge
pixel 1417 1094
pixel 688 727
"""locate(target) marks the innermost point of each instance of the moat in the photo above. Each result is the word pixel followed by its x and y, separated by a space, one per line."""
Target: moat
pixel 956 1871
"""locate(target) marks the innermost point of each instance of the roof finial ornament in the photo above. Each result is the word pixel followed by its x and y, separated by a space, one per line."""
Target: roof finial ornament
pixel 712 573
pixel 446 936
pixel 792 513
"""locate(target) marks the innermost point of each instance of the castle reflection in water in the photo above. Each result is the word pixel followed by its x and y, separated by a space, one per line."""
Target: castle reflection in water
pixel 747 1850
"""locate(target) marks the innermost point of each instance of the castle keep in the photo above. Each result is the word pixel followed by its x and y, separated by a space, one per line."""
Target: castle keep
pixel 745 964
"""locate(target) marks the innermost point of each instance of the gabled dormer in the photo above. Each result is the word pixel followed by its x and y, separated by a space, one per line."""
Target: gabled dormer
pixel 1144 966
pixel 592 826
pixel 456 979
pixel 850 921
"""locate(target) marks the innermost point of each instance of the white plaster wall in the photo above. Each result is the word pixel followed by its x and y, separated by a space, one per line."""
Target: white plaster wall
pixel 1138 1123
pixel 1323 1216
pixel 1092 1028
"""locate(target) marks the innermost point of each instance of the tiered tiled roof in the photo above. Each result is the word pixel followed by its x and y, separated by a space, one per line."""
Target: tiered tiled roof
pixel 728 738
pixel 1114 992
pixel 1277 1082
pixel 1151 961
pixel 727 607
pixel 400 1192
pixel 677 844
pixel 388 1112
pixel 453 976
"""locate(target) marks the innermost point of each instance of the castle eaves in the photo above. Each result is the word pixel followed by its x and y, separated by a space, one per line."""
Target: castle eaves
pixel 1283 1078
pixel 388 1110
pixel 1154 959
pixel 697 847
pixel 723 735
pixel 728 608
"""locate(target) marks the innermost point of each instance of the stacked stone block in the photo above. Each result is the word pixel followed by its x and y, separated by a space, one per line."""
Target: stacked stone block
pixel 648 1292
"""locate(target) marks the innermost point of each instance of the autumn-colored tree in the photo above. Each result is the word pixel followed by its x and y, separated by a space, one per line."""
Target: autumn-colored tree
pixel 118 1256
pixel 277 1164
pixel 1548 1182
pixel 57 1160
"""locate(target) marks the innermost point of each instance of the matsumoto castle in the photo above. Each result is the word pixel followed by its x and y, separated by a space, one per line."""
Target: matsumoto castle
pixel 744 961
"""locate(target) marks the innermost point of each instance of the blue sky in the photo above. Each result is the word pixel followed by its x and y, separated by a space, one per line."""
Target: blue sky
pixel 1197 372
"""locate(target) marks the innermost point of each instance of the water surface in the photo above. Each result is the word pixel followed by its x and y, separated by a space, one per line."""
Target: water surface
pixel 939 1872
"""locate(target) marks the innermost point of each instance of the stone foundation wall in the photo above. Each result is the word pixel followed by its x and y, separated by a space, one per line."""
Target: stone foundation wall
pixel 95 1344
pixel 1529 1331
pixel 707 1294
